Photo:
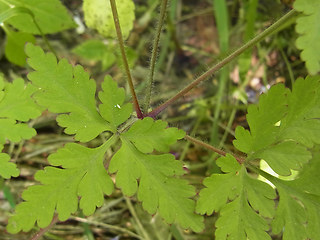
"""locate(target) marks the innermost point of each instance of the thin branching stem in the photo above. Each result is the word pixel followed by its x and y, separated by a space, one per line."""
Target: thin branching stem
pixel 124 58
pixel 212 148
pixel 42 231
pixel 154 55
pixel 225 61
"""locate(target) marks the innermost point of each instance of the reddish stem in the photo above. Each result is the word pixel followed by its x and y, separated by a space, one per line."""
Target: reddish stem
pixel 44 230
pixel 124 58
pixel 212 148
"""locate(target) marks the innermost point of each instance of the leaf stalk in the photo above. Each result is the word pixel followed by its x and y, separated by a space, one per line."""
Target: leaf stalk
pixel 212 148
pixel 225 61
pixel 42 231
pixel 124 58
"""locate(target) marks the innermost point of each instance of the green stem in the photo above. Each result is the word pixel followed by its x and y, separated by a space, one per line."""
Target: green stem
pixel 135 216
pixel 87 231
pixel 154 54
pixel 212 148
pixel 200 115
pixel 225 61
pixel 287 64
pixel 45 39
pixel 124 58
pixel 221 16
pixel 8 195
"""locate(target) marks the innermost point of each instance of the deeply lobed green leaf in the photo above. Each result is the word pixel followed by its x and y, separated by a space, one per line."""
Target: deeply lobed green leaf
pixel 283 125
pixel 15 104
pixel 7 169
pixel 299 204
pixel 159 187
pixel 238 218
pixel 69 90
pixel 64 89
pixel 83 175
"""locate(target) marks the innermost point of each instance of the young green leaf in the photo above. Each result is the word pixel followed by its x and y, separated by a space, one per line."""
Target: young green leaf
pixel 98 15
pixel 91 49
pixel 238 218
pixel 13 131
pixel 148 135
pixel 97 51
pixel 158 188
pixel 309 31
pixel 14 49
pixel 7 169
pixel 68 90
pixel 51 16
pixel 113 108
pixel 83 175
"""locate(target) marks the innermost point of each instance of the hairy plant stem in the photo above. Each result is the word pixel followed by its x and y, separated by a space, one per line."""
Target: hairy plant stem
pixel 212 148
pixel 42 231
pixel 154 55
pixel 124 58
pixel 225 61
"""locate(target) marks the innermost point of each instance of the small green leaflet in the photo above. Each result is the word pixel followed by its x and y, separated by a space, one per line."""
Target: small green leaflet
pixel 16 104
pixel 69 90
pixel 14 49
pixel 83 175
pixel 144 135
pixel 283 125
pixel 309 31
pixel 238 218
pixel 96 50
pixel 113 108
pixel 42 11
pixel 7 169
pixel 98 15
